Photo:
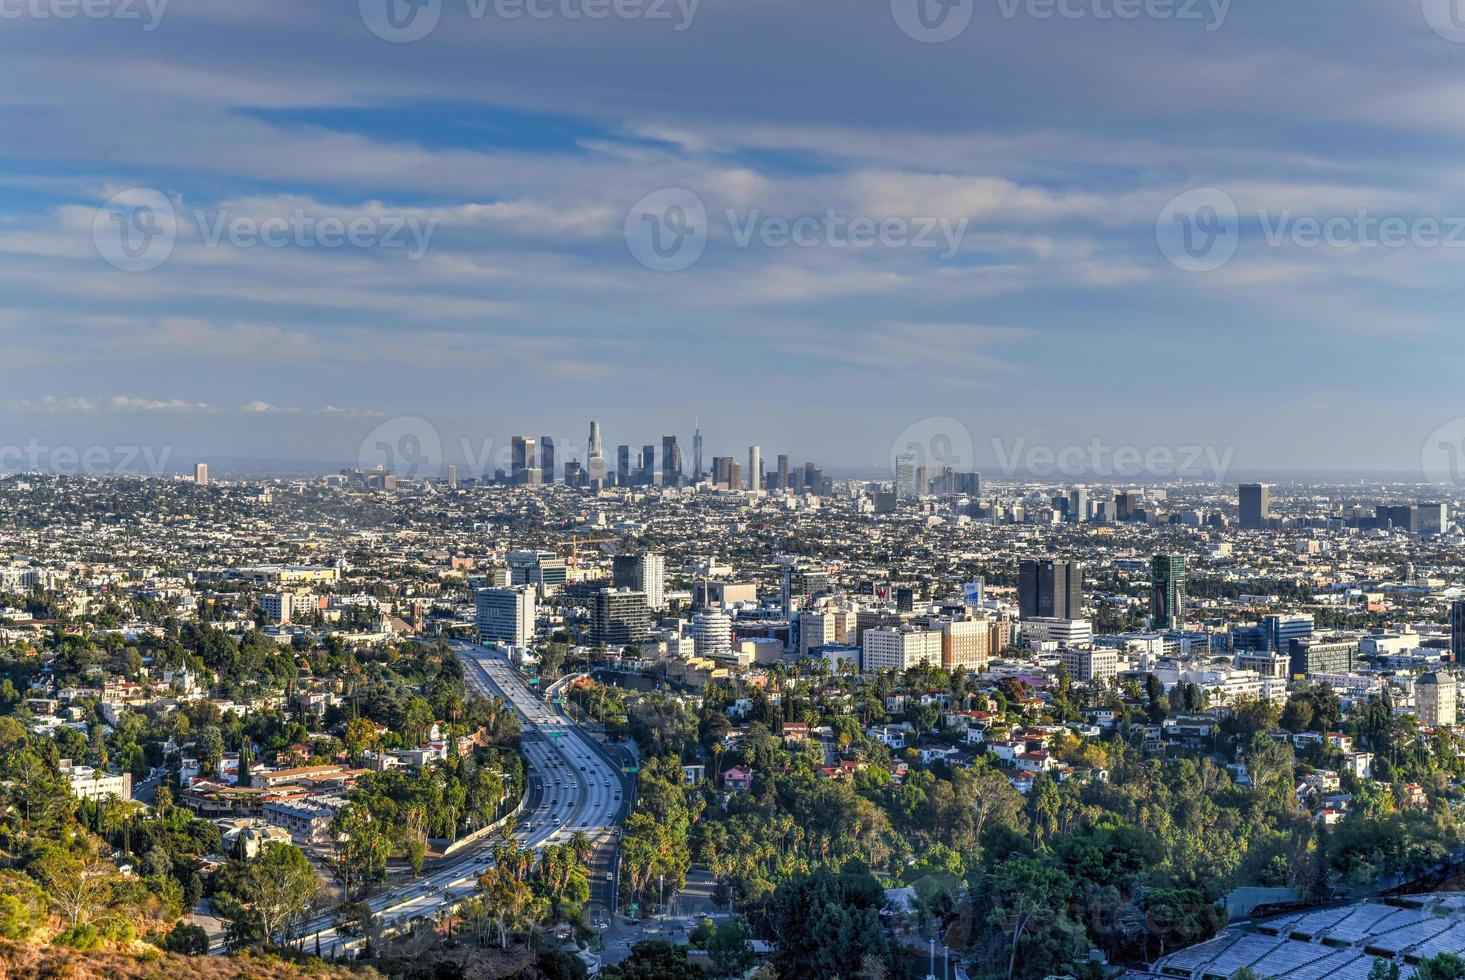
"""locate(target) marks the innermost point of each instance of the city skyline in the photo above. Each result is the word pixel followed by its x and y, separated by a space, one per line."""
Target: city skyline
pixel 494 144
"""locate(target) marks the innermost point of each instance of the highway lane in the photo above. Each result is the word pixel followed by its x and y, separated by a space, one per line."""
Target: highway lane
pixel 575 786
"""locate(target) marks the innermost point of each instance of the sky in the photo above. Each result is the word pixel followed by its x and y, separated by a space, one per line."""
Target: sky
pixel 294 230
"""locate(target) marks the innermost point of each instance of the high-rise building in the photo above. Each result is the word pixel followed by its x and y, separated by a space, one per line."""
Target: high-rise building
pixel 965 642
pixel 783 472
pixel 594 449
pixel 1404 517
pixel 201 474
pixel 452 477
pixel 648 464
pixel 1125 505
pixel 623 465
pixel 1279 631
pixel 506 616
pixel 697 455
pixel 1051 589
pixel 1167 591
pixel 645 573
pixel 899 648
pixel 1078 505
pixel 546 459
pixel 524 460
pixel 1435 699
pixel 755 468
pixel 1254 501
pixel 1434 518
pixel 619 617
pixel 671 462
pixel 1315 656
pixel 542 569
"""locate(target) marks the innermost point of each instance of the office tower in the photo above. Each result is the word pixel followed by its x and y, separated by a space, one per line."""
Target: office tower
pixel 575 474
pixel 1167 591
pixel 524 460
pixel 1078 506
pixel 1435 699
pixel 1254 500
pixel 1457 631
pixel 201 474
pixel 1125 504
pixel 644 573
pixel 905 599
pixel 969 484
pixel 965 642
pixel 619 617
pixel 648 465
pixel 811 481
pixel 1314 656
pixel 697 455
pixel 1433 518
pixel 546 459
pixel 506 616
pixel 623 465
pixel 783 472
pixel 755 468
pixel 721 470
pixel 1404 517
pixel 671 462
pixel 1278 631
pixel 594 448
pixel 899 648
pixel 542 569
pixel 1049 589
pixel 905 475
pixel 1088 664
pixel 452 477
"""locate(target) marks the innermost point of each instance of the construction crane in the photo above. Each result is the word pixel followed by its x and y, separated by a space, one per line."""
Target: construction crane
pixel 575 543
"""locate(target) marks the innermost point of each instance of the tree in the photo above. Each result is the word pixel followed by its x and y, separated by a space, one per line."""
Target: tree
pixel 187 939
pixel 730 948
pixel 267 898
pixel 1023 896
pixel 1445 966
pixel 78 884
pixel 655 960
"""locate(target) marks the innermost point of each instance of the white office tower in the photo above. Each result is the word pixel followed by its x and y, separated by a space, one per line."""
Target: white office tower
pixel 201 474
pixel 755 468
pixel 506 616
pixel 712 632
pixel 899 648
pixel 651 572
pixel 816 629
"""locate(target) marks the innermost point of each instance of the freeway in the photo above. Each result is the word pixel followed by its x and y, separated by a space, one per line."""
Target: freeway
pixel 574 785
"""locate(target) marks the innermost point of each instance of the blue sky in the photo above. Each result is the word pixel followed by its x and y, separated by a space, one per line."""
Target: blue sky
pixel 1053 143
